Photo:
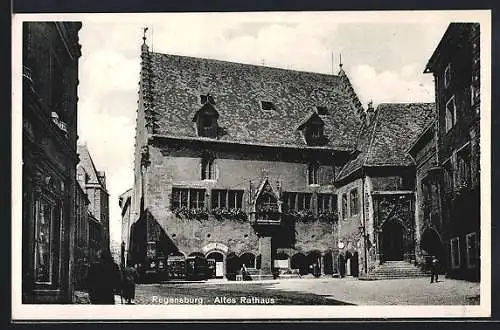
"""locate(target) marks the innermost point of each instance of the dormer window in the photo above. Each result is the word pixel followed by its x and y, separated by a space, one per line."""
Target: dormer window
pixel 313 130
pixel 267 105
pixel 206 120
pixel 321 110
pixel 207 99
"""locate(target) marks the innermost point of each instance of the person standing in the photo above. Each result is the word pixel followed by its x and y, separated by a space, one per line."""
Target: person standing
pixel 130 277
pixel 103 278
pixel 434 269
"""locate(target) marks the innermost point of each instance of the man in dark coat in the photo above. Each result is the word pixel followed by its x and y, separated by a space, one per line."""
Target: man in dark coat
pixel 103 278
pixel 434 269
pixel 130 277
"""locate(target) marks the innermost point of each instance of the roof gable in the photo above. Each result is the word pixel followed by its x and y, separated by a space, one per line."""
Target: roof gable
pixel 385 142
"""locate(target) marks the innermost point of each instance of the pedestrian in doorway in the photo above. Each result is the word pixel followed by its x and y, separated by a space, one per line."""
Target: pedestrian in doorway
pixel 434 269
pixel 103 278
pixel 130 277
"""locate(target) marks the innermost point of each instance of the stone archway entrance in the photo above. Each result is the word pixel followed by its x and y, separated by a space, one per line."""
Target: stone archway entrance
pixel 215 261
pixel 431 245
pixel 393 241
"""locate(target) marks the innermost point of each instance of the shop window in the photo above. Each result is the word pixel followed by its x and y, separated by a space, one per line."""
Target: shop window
pixel 354 202
pixel 472 250
pixel 46 241
pixel 188 198
pixel 455 253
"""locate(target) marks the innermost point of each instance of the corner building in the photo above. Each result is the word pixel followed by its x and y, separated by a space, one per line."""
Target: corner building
pixel 49 190
pixel 237 163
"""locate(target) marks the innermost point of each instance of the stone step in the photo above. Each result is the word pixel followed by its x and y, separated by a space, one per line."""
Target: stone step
pixel 394 270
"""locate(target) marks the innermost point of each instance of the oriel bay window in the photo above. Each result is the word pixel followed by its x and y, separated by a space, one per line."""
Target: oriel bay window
pixel 230 199
pixel 188 198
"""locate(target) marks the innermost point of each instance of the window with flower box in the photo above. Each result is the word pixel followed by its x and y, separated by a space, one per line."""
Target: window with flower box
pixel 188 198
pixel 231 199
pixel 325 203
pixel 295 201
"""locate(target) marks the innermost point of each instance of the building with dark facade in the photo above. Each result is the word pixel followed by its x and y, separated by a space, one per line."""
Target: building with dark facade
pixel 247 164
pixel 94 184
pixel 50 77
pixel 455 65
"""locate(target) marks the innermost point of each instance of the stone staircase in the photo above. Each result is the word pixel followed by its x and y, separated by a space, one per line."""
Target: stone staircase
pixel 394 270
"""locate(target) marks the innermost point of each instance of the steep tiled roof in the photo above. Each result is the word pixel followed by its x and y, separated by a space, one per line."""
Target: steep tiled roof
pixel 385 141
pixel 88 165
pixel 178 81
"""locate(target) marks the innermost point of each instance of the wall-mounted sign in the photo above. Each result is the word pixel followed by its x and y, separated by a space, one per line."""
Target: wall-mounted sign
pixel 215 246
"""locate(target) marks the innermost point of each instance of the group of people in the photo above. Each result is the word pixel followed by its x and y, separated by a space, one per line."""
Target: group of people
pixel 105 278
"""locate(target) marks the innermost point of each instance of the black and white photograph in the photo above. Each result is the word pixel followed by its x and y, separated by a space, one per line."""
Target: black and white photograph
pixel 251 165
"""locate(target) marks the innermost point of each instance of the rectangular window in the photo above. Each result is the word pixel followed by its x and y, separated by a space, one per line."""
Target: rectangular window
pixel 448 176
pixel 455 253
pixel 344 205
pixel 267 105
pixel 303 201
pixel 354 202
pixel 43 240
pixel 57 88
pixel 196 198
pixel 325 202
pixel 447 76
pixel 231 199
pixel 451 112
pixel 464 166
pixel 235 198
pixel 289 199
pixel 472 250
pixel 208 169
pixel 313 173
pixel 188 198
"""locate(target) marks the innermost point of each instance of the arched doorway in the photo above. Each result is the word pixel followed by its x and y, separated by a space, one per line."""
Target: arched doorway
pixel 233 266
pixel 393 240
pixel 328 262
pixel 431 245
pixel 215 261
pixel 314 262
pixel 248 259
pixel 299 261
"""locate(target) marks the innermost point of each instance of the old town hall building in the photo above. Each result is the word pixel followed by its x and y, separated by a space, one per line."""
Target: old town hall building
pixel 280 170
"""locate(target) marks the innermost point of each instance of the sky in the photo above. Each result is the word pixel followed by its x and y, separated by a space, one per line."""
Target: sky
pixel 384 57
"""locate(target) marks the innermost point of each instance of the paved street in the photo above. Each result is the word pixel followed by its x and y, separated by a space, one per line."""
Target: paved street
pixel 323 291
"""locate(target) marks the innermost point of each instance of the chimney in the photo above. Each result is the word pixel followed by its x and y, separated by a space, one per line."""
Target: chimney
pixel 370 112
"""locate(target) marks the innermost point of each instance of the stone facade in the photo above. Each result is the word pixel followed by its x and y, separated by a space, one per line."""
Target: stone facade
pixel 50 78
pixel 455 65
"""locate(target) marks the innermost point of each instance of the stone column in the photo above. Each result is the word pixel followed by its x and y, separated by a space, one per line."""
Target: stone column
pixel 265 255
pixel 322 263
